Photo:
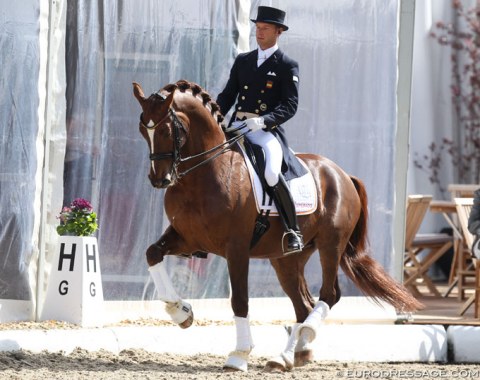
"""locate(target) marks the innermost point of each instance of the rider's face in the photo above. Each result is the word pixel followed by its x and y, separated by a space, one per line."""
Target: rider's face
pixel 267 34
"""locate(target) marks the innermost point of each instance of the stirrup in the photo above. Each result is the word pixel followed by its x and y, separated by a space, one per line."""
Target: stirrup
pixel 289 250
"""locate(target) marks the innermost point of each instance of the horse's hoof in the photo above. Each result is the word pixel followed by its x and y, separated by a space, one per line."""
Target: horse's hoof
pixel 303 358
pixel 230 369
pixel 237 361
pixel 187 322
pixel 273 366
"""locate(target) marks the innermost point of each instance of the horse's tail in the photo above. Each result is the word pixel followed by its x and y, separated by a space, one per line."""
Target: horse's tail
pixel 365 272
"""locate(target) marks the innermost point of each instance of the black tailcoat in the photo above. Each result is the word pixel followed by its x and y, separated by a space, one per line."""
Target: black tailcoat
pixel 270 91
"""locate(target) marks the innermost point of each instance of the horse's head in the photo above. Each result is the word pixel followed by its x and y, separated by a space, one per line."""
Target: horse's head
pixel 182 126
pixel 164 133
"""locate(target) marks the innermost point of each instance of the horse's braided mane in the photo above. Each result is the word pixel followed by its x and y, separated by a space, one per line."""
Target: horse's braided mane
pixel 184 85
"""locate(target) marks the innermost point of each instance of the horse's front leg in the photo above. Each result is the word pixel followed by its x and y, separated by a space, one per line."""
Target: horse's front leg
pixel 171 243
pixel 238 270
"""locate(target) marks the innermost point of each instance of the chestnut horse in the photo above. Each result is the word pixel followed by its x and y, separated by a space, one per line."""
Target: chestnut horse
pixel 211 208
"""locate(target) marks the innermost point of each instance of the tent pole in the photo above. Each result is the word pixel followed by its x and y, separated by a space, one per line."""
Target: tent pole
pixel 404 85
pixel 52 14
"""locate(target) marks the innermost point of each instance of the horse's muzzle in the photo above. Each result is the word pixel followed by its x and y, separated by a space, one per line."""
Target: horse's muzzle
pixel 161 183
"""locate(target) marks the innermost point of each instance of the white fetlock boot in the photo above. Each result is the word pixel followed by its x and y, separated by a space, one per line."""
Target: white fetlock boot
pixel 238 359
pixel 307 333
pixel 180 311
pixel 286 359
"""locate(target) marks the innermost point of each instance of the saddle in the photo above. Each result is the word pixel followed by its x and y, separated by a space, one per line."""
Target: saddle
pixel 303 190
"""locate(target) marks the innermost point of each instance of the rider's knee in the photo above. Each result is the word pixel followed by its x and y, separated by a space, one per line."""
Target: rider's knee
pixel 271 177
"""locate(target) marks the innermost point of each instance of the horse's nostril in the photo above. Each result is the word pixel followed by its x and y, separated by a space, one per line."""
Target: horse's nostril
pixel 166 182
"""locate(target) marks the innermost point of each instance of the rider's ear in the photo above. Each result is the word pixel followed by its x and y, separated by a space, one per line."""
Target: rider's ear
pixel 138 92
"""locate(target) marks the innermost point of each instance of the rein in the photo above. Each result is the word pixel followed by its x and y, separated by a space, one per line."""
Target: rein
pixel 176 155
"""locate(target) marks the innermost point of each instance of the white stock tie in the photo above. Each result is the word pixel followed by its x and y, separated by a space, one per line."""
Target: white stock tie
pixel 261 59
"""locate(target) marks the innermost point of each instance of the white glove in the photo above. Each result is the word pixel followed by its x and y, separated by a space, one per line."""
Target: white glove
pixel 255 124
pixel 236 127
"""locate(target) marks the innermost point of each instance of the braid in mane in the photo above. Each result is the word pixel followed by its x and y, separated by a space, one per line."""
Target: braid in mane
pixel 184 85
pixel 170 87
pixel 196 89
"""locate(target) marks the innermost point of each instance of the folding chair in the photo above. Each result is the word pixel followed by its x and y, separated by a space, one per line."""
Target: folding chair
pixel 464 206
pixel 432 246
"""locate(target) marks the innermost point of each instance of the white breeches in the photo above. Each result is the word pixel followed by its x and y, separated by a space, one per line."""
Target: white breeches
pixel 273 154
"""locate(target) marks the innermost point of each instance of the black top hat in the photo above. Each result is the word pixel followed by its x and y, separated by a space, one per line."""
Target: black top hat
pixel 271 15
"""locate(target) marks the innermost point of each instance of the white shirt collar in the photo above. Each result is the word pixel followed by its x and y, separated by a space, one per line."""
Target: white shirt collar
pixel 268 52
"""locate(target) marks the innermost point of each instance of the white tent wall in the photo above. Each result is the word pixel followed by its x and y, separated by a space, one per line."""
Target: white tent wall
pixel 433 116
pixel 32 111
pixel 20 137
pixel 347 52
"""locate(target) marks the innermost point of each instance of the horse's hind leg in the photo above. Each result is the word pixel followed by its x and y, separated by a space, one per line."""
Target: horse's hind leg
pixel 329 296
pixel 290 272
pixel 330 261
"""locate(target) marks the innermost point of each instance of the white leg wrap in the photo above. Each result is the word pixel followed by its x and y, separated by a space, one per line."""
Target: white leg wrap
pixel 163 284
pixel 178 310
pixel 238 359
pixel 287 357
pixel 289 352
pixel 308 330
pixel 244 335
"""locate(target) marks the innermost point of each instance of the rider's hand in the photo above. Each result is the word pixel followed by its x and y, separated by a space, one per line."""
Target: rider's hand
pixel 255 123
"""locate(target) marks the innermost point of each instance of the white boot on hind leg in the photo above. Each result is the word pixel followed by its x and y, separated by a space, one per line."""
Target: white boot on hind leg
pixel 238 360
pixel 286 359
pixel 307 332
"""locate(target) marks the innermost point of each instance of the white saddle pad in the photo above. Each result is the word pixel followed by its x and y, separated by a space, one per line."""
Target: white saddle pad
pixel 303 190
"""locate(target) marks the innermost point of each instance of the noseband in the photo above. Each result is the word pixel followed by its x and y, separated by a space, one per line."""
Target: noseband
pixel 175 155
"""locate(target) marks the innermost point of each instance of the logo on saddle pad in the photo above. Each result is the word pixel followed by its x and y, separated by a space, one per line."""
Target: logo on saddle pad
pixel 303 190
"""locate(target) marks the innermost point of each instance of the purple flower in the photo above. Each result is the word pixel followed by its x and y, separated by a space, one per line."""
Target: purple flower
pixel 81 204
pixel 78 219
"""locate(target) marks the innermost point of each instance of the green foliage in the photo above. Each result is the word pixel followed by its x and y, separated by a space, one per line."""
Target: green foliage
pixel 78 220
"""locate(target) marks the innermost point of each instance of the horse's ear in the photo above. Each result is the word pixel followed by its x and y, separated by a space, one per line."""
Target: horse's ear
pixel 138 92
pixel 169 99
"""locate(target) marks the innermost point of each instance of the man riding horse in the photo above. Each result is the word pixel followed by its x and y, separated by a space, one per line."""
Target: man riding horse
pixel 204 176
pixel 264 83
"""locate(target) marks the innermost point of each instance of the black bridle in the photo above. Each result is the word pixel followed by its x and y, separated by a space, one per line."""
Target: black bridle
pixel 175 155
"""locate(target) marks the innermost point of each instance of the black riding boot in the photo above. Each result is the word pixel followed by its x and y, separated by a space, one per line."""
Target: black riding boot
pixel 286 209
